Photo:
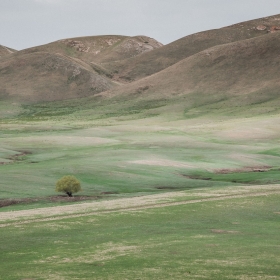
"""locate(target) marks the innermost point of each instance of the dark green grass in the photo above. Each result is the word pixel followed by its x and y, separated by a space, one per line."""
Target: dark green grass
pixel 89 109
pixel 231 239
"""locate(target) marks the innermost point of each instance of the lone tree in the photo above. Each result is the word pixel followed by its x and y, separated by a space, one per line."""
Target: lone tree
pixel 68 184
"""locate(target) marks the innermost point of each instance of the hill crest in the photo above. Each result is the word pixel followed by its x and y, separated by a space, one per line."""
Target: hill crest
pixel 207 60
pixel 5 51
pixel 99 49
pixel 135 68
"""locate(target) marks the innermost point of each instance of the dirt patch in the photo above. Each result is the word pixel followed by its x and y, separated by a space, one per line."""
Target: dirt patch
pixel 57 198
pixel 166 188
pixel 224 231
pixel 244 169
pixel 261 27
pixel 16 157
pixel 109 193
pixel 67 140
pixel 162 162
pixel 196 177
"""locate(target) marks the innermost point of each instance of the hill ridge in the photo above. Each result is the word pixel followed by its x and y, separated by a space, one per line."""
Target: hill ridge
pixel 5 51
pixel 101 73
pixel 238 73
pixel 159 59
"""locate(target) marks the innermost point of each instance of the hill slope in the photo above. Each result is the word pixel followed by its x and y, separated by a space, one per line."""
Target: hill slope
pixel 99 49
pixel 43 76
pixel 5 51
pixel 241 58
pixel 246 70
pixel 69 68
pixel 152 62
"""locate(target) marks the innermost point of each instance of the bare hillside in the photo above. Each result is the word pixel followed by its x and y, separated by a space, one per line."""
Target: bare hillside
pixel 238 68
pixel 147 64
pixel 43 76
pixel 5 51
pixel 99 49
pixel 237 59
pixel 69 68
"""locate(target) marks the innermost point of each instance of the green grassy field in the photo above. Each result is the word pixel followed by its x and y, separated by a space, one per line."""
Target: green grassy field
pixel 137 150
pixel 235 238
pixel 126 152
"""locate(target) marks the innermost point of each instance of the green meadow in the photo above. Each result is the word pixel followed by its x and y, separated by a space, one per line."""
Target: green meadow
pixel 139 152
pixel 157 148
pixel 235 238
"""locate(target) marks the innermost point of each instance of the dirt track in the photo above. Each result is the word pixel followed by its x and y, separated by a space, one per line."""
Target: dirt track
pixel 130 204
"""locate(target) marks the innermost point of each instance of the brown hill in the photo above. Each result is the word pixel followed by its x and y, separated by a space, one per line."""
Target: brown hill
pixel 5 51
pixel 42 76
pixel 152 62
pixel 238 59
pixel 99 49
pixel 69 68
pixel 219 73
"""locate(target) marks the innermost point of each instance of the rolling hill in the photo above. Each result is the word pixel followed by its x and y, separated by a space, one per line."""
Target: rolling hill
pixel 218 64
pixel 242 66
pixel 43 76
pixel 147 64
pixel 97 50
pixel 223 77
pixel 100 49
pixel 66 69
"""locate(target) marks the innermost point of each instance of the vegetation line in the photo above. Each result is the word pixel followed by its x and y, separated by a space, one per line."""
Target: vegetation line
pixel 130 208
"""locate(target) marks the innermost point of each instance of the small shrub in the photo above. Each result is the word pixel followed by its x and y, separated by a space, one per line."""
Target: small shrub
pixel 68 184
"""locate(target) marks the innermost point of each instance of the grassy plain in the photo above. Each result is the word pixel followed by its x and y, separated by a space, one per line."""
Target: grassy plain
pixel 123 150
pixel 231 238
pixel 125 147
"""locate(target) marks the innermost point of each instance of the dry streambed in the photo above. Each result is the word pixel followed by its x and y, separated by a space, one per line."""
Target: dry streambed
pixel 135 203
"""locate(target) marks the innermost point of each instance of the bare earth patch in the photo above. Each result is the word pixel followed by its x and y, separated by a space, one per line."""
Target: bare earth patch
pixel 66 140
pixel 244 169
pixel 162 162
pixel 55 198
pixel 224 231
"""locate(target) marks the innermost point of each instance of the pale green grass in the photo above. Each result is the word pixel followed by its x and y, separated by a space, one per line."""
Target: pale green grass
pixel 135 146
pixel 142 148
pixel 144 155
